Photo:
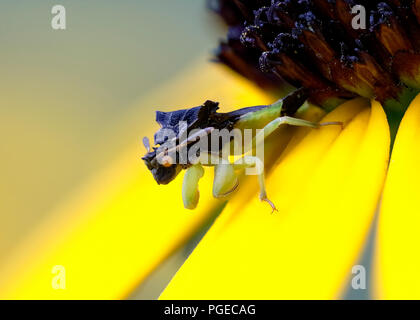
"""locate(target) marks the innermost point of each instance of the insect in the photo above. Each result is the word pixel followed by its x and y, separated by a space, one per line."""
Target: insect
pixel 164 163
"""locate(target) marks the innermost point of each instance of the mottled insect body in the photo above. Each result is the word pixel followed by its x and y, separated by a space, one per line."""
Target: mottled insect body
pixel 173 146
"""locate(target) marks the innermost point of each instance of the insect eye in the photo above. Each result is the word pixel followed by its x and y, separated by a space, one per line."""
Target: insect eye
pixel 167 161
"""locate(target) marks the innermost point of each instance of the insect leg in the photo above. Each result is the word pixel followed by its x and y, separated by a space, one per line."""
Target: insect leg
pixel 248 162
pixel 276 123
pixel 190 192
pixel 225 179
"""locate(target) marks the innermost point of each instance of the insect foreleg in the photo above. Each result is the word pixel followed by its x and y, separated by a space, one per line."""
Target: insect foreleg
pixel 190 192
pixel 225 179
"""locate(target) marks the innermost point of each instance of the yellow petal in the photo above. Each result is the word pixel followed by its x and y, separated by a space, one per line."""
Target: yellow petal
pixel 326 189
pixel 397 262
pixel 121 225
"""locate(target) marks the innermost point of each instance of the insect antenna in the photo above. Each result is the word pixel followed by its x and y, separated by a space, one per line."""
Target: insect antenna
pixel 146 144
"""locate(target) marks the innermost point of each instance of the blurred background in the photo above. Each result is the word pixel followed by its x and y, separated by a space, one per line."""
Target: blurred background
pixel 72 102
pixel 65 95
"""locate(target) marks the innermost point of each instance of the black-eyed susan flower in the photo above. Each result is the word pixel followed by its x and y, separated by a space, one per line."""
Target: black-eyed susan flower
pixel 315 44
pixel 327 184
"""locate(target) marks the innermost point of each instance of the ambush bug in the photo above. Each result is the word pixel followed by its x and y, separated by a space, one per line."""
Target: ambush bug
pixel 204 119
